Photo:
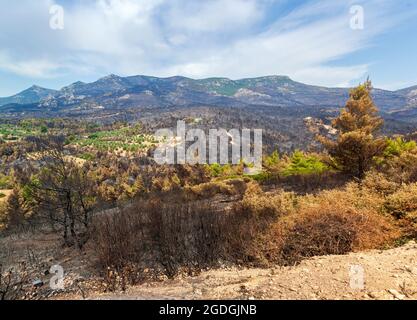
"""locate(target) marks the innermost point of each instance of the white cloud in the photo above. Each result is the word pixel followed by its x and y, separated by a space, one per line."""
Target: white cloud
pixel 233 38
pixel 213 16
pixel 36 68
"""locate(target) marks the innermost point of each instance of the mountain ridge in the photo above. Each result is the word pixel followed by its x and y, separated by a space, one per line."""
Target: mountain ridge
pixel 240 80
pixel 30 95
pixel 116 92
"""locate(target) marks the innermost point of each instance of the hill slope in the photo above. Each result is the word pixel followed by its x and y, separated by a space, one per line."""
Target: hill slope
pixel 388 275
pixel 34 94
pixel 114 92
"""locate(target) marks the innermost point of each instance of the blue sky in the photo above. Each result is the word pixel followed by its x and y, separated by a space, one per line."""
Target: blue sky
pixel 311 41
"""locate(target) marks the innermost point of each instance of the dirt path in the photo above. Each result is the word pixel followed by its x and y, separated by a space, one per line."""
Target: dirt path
pixel 390 274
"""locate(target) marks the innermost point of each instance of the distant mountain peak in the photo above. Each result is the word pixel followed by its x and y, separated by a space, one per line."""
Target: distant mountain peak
pixel 78 83
pixel 36 88
pixel 74 85
pixel 277 77
pixel 34 94
pixel 110 77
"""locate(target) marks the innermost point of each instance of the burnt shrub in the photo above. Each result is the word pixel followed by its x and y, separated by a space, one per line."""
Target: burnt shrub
pixel 188 234
pixel 402 168
pixel 14 283
pixel 253 242
pixel 172 233
pixel 117 239
pixel 402 205
pixel 175 235
pixel 332 229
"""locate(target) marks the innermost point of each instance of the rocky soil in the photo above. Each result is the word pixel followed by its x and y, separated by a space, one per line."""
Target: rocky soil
pixel 387 275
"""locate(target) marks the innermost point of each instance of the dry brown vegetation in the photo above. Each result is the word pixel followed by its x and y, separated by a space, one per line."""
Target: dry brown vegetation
pixel 333 229
pixel 153 233
pixel 261 229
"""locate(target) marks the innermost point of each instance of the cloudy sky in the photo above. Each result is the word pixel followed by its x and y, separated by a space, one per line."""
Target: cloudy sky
pixel 311 41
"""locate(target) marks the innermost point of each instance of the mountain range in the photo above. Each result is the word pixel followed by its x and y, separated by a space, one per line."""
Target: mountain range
pixel 118 93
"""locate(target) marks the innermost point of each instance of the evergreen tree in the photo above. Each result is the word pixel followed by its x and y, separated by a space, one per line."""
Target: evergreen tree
pixel 356 147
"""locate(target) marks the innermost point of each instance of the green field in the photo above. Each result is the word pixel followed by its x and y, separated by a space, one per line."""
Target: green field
pixel 129 139
pixel 14 132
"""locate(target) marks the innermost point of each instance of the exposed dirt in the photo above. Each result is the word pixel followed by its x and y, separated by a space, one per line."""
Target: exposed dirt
pixel 390 274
